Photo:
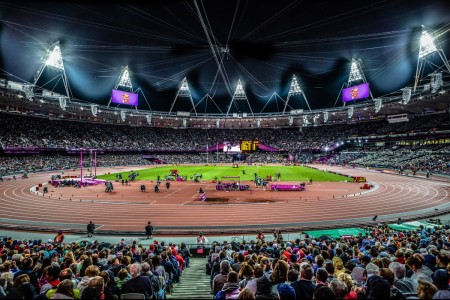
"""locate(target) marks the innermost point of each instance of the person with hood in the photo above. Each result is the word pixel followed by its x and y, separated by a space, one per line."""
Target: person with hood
pixel 264 289
pixel 230 289
pixel 90 273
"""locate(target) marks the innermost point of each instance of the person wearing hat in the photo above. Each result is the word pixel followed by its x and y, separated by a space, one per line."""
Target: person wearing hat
pixel 440 280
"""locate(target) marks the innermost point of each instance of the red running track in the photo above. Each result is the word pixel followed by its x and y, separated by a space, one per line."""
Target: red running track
pixel 323 205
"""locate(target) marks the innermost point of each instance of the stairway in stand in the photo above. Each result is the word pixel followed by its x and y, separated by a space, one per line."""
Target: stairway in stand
pixel 194 282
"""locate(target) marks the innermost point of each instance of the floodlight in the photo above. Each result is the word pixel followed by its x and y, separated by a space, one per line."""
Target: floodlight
pixel 124 80
pixel 427 45
pixel 295 88
pixel 436 81
pixel 149 119
pixel 94 110
pixel 54 57
pixel 355 74
pixel 406 96
pixel 184 91
pixel 350 111
pixel 325 116
pixel 62 102
pixel 122 115
pixel 239 94
pixel 378 102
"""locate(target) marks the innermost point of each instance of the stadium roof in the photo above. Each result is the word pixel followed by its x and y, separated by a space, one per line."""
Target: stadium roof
pixel 214 44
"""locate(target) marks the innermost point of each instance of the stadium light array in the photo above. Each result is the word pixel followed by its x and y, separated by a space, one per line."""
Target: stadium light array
pixel 406 95
pixel 427 45
pixel 350 111
pixel 54 57
pixel 294 88
pixel 125 80
pixel 355 74
pixel 325 116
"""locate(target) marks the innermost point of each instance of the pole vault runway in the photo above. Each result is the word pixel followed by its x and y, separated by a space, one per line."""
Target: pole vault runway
pixel 180 210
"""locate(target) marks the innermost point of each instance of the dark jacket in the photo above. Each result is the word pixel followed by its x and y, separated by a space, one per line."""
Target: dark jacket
pixel 139 284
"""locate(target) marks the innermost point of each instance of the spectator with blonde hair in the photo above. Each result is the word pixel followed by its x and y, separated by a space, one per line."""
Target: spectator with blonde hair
pixel 347 279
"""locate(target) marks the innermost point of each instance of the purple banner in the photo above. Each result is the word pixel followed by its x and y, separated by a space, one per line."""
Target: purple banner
pixel 355 92
pixel 267 148
pixel 121 97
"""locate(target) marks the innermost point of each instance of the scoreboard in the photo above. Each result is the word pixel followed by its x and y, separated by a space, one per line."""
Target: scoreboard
pixel 249 146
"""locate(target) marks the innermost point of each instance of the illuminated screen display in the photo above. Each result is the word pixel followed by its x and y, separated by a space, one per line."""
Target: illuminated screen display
pixel 121 97
pixel 355 92
pixel 249 145
pixel 230 147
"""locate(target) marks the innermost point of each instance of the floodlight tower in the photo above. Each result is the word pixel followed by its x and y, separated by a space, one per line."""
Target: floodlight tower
pixel 295 89
pixel 428 45
pixel 239 95
pixel 52 59
pixel 183 91
pixel 356 76
pixel 124 82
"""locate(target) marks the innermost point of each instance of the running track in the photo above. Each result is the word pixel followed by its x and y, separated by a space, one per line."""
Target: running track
pixel 394 197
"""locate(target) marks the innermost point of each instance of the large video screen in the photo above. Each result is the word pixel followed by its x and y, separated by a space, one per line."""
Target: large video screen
pixel 231 147
pixel 122 97
pixel 355 92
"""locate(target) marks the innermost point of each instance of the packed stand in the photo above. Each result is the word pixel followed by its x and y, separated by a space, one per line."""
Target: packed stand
pixel 381 264
pixel 88 270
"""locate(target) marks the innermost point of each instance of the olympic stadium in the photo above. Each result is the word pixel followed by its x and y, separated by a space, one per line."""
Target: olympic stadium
pixel 226 118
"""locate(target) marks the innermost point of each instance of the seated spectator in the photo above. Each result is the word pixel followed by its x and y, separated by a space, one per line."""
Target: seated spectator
pixel 230 289
pixel 377 288
pixel 264 289
pixel 137 283
pixel 347 279
pixel 22 288
pixel 64 290
pixel 440 280
pixel 304 288
pixel 324 292
pixel 401 282
pixel 65 274
pixel 91 272
pixel 122 277
pixel 220 279
pixel 339 288
pixel 425 289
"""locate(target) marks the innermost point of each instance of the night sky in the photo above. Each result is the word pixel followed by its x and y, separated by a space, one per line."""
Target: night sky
pixel 261 42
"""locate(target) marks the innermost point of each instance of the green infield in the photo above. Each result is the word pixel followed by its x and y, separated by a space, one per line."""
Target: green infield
pixel 246 173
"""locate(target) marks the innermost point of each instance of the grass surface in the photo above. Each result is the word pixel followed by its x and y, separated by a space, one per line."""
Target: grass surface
pixel 288 173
